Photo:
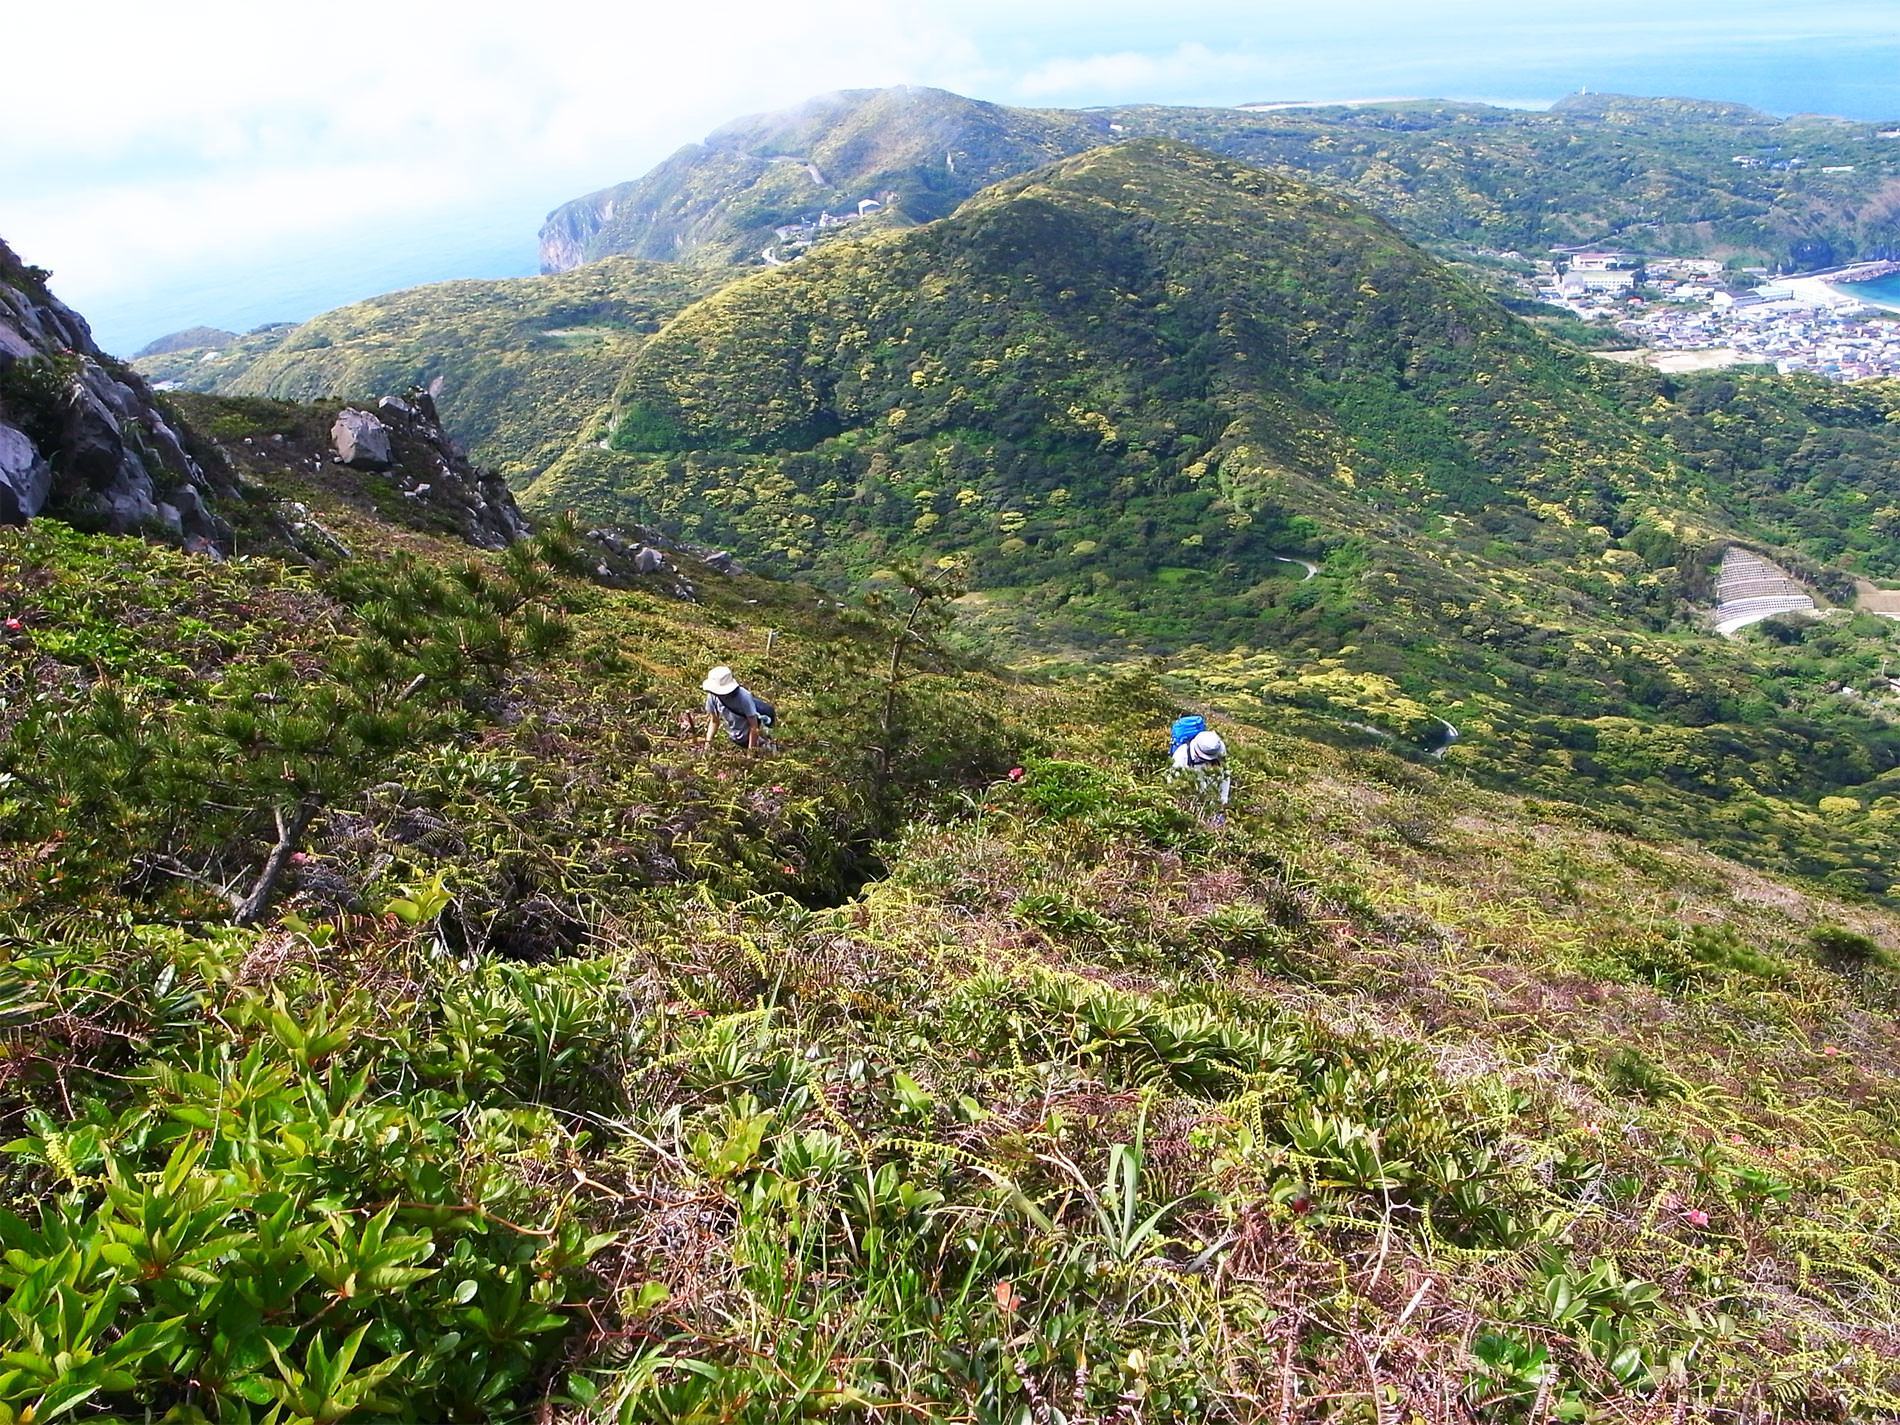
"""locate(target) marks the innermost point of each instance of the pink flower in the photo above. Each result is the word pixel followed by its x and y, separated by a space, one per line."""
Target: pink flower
pixel 778 789
pixel 789 870
pixel 1592 1129
pixel 1696 1217
pixel 1015 774
pixel 13 625
pixel 299 858
pixel 720 775
pixel 1830 1051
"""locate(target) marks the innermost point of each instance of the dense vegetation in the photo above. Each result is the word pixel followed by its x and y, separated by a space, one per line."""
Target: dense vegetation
pixel 1180 360
pixel 1137 389
pixel 1804 462
pixel 523 363
pixel 406 1016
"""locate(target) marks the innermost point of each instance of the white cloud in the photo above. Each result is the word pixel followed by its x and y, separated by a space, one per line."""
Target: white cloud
pixel 1133 73
pixel 221 83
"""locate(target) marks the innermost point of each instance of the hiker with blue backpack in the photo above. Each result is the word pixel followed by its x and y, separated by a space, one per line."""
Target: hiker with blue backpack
pixel 1197 751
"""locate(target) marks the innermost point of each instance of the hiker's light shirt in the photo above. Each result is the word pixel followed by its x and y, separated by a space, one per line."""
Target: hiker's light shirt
pixel 736 710
pixel 1212 776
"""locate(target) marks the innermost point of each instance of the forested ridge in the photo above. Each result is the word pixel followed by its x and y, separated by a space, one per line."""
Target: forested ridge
pixel 1658 175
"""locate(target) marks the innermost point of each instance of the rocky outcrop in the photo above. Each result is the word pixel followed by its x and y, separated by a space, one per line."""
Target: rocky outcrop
pixel 571 227
pixel 25 477
pixel 431 471
pixel 80 435
pixel 643 557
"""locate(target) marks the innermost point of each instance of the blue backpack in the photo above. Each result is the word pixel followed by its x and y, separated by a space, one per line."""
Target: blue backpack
pixel 1185 729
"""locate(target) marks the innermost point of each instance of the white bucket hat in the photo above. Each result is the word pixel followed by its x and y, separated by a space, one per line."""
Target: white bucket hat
pixel 1208 747
pixel 720 681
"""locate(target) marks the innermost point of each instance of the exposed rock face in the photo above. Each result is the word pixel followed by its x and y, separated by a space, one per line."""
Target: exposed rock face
pixel 80 435
pixel 361 440
pixel 25 478
pixel 433 473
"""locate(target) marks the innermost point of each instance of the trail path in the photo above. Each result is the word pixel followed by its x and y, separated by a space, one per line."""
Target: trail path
pixel 1310 568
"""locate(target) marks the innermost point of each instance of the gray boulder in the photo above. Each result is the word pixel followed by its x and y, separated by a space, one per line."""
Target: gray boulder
pixel 361 440
pixel 25 479
pixel 647 560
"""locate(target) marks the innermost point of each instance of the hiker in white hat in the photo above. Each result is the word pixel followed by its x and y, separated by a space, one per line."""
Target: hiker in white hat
pixel 745 714
pixel 1204 755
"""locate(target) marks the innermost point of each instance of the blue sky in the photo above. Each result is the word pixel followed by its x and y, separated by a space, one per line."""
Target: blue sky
pixel 230 162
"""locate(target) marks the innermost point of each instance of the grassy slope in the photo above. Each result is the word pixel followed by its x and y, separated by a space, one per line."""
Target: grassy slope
pixel 1390 1089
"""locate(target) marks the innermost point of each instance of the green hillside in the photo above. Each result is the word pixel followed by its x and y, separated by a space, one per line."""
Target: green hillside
pixel 1659 175
pixel 517 364
pixel 1132 392
pixel 524 362
pixel 1220 342
pixel 578 1072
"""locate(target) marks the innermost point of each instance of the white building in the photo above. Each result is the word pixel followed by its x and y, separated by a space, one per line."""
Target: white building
pixel 1601 261
pixel 1576 283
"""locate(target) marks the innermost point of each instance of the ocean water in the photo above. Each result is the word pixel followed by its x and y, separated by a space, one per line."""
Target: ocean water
pixel 1881 292
pixel 295 280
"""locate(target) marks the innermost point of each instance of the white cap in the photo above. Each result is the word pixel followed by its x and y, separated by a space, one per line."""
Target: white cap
pixel 720 681
pixel 1207 746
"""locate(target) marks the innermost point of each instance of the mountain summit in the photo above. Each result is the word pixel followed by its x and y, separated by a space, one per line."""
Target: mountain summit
pixel 917 152
pixel 1144 359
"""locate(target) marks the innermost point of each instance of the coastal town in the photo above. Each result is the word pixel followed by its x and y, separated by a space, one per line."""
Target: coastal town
pixel 1695 314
